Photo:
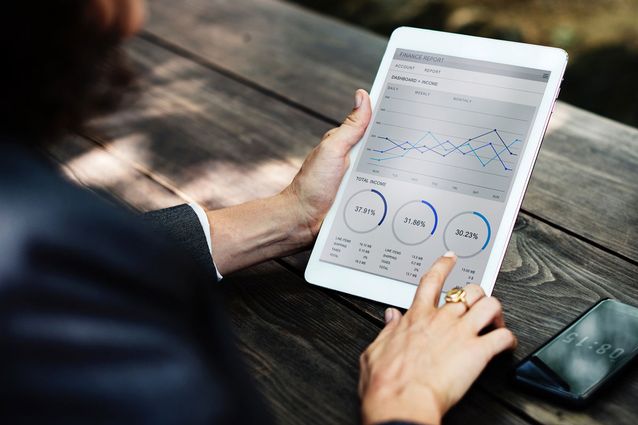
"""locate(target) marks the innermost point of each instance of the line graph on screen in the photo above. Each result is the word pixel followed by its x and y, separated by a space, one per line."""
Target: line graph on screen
pixel 447 141
pixel 486 148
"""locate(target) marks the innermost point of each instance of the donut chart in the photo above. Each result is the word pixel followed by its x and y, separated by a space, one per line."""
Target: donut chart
pixel 415 222
pixel 365 211
pixel 467 234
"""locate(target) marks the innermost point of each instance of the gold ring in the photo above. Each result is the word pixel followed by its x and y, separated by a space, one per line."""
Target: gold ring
pixel 456 295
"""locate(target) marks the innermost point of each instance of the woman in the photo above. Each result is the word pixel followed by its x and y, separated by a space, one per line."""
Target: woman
pixel 103 320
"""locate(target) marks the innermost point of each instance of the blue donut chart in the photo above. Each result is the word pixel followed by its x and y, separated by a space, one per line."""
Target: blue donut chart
pixel 489 228
pixel 467 234
pixel 415 222
pixel 385 205
pixel 436 216
pixel 369 204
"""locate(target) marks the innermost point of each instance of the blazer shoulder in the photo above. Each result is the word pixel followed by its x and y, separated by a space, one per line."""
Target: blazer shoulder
pixel 50 226
pixel 38 200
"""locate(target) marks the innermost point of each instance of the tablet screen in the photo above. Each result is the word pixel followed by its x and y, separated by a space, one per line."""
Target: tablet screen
pixel 436 168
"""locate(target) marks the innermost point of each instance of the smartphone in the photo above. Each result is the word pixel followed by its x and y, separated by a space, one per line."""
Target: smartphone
pixel 585 355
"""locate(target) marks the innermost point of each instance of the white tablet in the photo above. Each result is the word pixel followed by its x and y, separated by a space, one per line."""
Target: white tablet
pixel 457 124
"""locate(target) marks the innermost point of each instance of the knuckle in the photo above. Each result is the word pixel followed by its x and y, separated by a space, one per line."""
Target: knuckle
pixel 418 328
pixel 417 321
pixel 351 120
pixel 376 383
pixel 508 337
pixel 504 338
pixel 380 379
pixel 467 327
pixel 475 288
pixel 493 305
pixel 354 122
pixel 409 317
pixel 495 345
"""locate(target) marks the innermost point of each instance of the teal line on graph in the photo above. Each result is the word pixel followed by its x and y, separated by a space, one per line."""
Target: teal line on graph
pixel 445 148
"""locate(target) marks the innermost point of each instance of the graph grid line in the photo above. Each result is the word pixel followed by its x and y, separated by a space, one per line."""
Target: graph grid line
pixel 484 151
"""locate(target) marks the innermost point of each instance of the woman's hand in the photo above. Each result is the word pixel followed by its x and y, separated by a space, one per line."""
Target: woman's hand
pixel 314 187
pixel 422 363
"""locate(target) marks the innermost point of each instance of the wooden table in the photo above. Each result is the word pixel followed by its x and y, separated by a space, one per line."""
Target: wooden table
pixel 236 93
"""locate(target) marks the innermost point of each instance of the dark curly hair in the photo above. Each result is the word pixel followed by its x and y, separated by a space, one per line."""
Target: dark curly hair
pixel 59 69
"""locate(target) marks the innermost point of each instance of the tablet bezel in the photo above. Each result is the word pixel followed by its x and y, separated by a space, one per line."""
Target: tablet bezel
pixel 397 293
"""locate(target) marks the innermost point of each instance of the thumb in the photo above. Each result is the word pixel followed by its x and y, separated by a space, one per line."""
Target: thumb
pixel 392 317
pixel 355 124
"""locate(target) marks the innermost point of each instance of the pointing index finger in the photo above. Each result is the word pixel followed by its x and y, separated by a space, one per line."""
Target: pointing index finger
pixel 431 284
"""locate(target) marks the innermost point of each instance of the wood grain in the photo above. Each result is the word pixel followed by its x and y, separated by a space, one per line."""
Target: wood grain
pixel 216 140
pixel 89 165
pixel 547 279
pixel 585 177
pixel 302 347
pixel 309 59
pixel 535 280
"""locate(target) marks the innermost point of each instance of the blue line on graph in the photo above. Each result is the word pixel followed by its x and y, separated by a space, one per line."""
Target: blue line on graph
pixel 385 205
pixel 436 216
pixel 465 148
pixel 489 230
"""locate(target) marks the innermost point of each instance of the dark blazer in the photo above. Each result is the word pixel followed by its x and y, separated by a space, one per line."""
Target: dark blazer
pixel 103 317
pixel 106 317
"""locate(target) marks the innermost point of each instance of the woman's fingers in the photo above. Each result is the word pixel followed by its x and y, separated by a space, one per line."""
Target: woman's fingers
pixel 410 347
pixel 486 311
pixel 473 293
pixel 497 341
pixel 392 318
pixel 431 284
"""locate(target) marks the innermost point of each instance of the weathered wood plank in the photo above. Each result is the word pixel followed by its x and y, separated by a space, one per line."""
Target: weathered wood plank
pixel 307 58
pixel 91 166
pixel 556 257
pixel 302 347
pixel 585 177
pixel 215 139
